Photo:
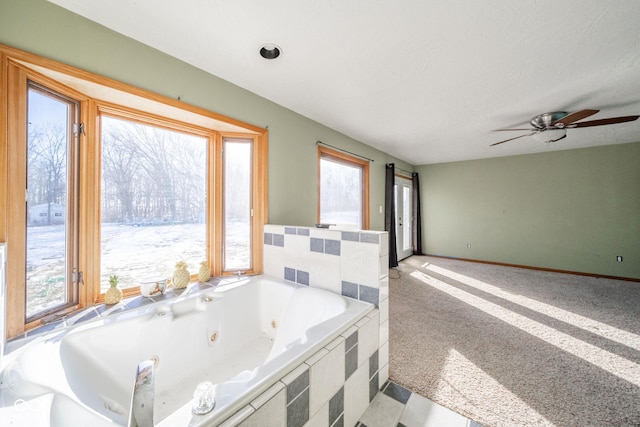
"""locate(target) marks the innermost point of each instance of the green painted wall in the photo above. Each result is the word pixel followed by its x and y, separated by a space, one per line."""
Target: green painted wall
pixel 45 29
pixel 573 210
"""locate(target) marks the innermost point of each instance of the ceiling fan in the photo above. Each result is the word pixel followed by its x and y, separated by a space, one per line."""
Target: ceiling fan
pixel 551 127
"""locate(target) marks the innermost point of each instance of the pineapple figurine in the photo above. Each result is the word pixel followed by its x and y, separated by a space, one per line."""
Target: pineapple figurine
pixel 113 294
pixel 204 273
pixel 181 276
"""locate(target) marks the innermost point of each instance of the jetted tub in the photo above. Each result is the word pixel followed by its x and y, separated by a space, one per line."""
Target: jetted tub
pixel 242 336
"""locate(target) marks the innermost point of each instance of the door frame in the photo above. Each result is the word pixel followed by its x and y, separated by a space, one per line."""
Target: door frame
pixel 403 220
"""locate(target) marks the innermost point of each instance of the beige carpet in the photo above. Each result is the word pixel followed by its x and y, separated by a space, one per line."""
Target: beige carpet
pixel 507 346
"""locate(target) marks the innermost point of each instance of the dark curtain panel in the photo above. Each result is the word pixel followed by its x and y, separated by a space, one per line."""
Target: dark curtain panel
pixel 390 213
pixel 417 218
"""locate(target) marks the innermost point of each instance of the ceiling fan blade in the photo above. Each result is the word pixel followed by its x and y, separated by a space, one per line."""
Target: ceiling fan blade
pixel 503 130
pixel 511 139
pixel 574 117
pixel 601 122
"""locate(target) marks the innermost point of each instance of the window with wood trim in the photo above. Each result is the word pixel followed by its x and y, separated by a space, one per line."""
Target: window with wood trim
pixel 48 176
pixel 104 178
pixel 343 190
pixel 153 199
pixel 237 159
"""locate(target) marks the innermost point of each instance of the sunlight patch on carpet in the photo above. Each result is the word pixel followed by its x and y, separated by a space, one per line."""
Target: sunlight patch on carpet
pixel 593 326
pixel 460 374
pixel 610 362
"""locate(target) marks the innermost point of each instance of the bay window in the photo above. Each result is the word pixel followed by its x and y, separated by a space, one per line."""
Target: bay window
pixel 107 179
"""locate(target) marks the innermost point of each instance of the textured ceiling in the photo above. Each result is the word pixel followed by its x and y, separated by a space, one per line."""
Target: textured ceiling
pixel 425 80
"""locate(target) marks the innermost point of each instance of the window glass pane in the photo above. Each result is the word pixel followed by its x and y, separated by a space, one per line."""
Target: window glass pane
pixel 154 197
pixel 47 156
pixel 237 204
pixel 340 192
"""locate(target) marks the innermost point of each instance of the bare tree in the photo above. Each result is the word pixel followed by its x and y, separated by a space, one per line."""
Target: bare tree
pixel 47 161
pixel 152 174
pixel 120 165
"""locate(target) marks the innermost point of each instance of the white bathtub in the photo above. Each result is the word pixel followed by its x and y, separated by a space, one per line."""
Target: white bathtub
pixel 242 336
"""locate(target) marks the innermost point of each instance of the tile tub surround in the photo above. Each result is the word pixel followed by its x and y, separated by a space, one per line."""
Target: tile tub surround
pixel 243 371
pixel 353 264
pixel 322 391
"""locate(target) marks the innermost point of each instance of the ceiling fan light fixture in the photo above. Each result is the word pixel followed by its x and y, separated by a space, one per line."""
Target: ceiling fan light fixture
pixel 270 51
pixel 542 121
pixel 550 135
pixel 552 127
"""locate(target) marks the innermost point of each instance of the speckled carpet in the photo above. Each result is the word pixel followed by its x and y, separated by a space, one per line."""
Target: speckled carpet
pixel 507 346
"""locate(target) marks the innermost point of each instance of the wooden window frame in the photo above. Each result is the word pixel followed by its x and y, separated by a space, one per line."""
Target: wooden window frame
pixel 71 222
pixel 257 188
pixel 99 95
pixel 129 115
pixel 340 157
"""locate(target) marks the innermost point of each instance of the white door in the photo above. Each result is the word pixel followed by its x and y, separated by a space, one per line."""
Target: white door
pixel 404 217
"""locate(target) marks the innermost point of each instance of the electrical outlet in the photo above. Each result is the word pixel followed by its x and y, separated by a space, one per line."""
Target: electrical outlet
pixel 469 245
pixel 619 258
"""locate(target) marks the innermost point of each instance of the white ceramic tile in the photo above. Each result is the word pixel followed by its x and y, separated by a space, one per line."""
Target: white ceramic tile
pixel 333 344
pixel 383 266
pixel 295 244
pixel 383 375
pixel 320 418
pixel 324 272
pixel 383 411
pixel 421 412
pixel 274 228
pixel 326 377
pixel 363 321
pixel 383 355
pixel 384 288
pixel 368 336
pixel 374 313
pixel 359 263
pixel 384 332
pixel 344 227
pixel 274 257
pixel 384 243
pixel 317 357
pixel 303 260
pixel 383 305
pixel 346 334
pixel 267 395
pixel 238 417
pixel 356 395
pixel 272 413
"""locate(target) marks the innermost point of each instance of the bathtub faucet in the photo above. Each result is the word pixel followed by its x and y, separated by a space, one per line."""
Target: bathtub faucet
pixel 141 408
pixel 239 274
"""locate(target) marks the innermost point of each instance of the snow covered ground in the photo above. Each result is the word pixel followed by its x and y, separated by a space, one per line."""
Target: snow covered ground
pixel 133 253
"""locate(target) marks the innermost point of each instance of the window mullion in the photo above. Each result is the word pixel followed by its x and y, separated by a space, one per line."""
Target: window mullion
pixel 74 274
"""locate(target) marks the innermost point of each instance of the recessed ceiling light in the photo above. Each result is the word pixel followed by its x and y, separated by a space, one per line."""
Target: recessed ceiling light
pixel 270 51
